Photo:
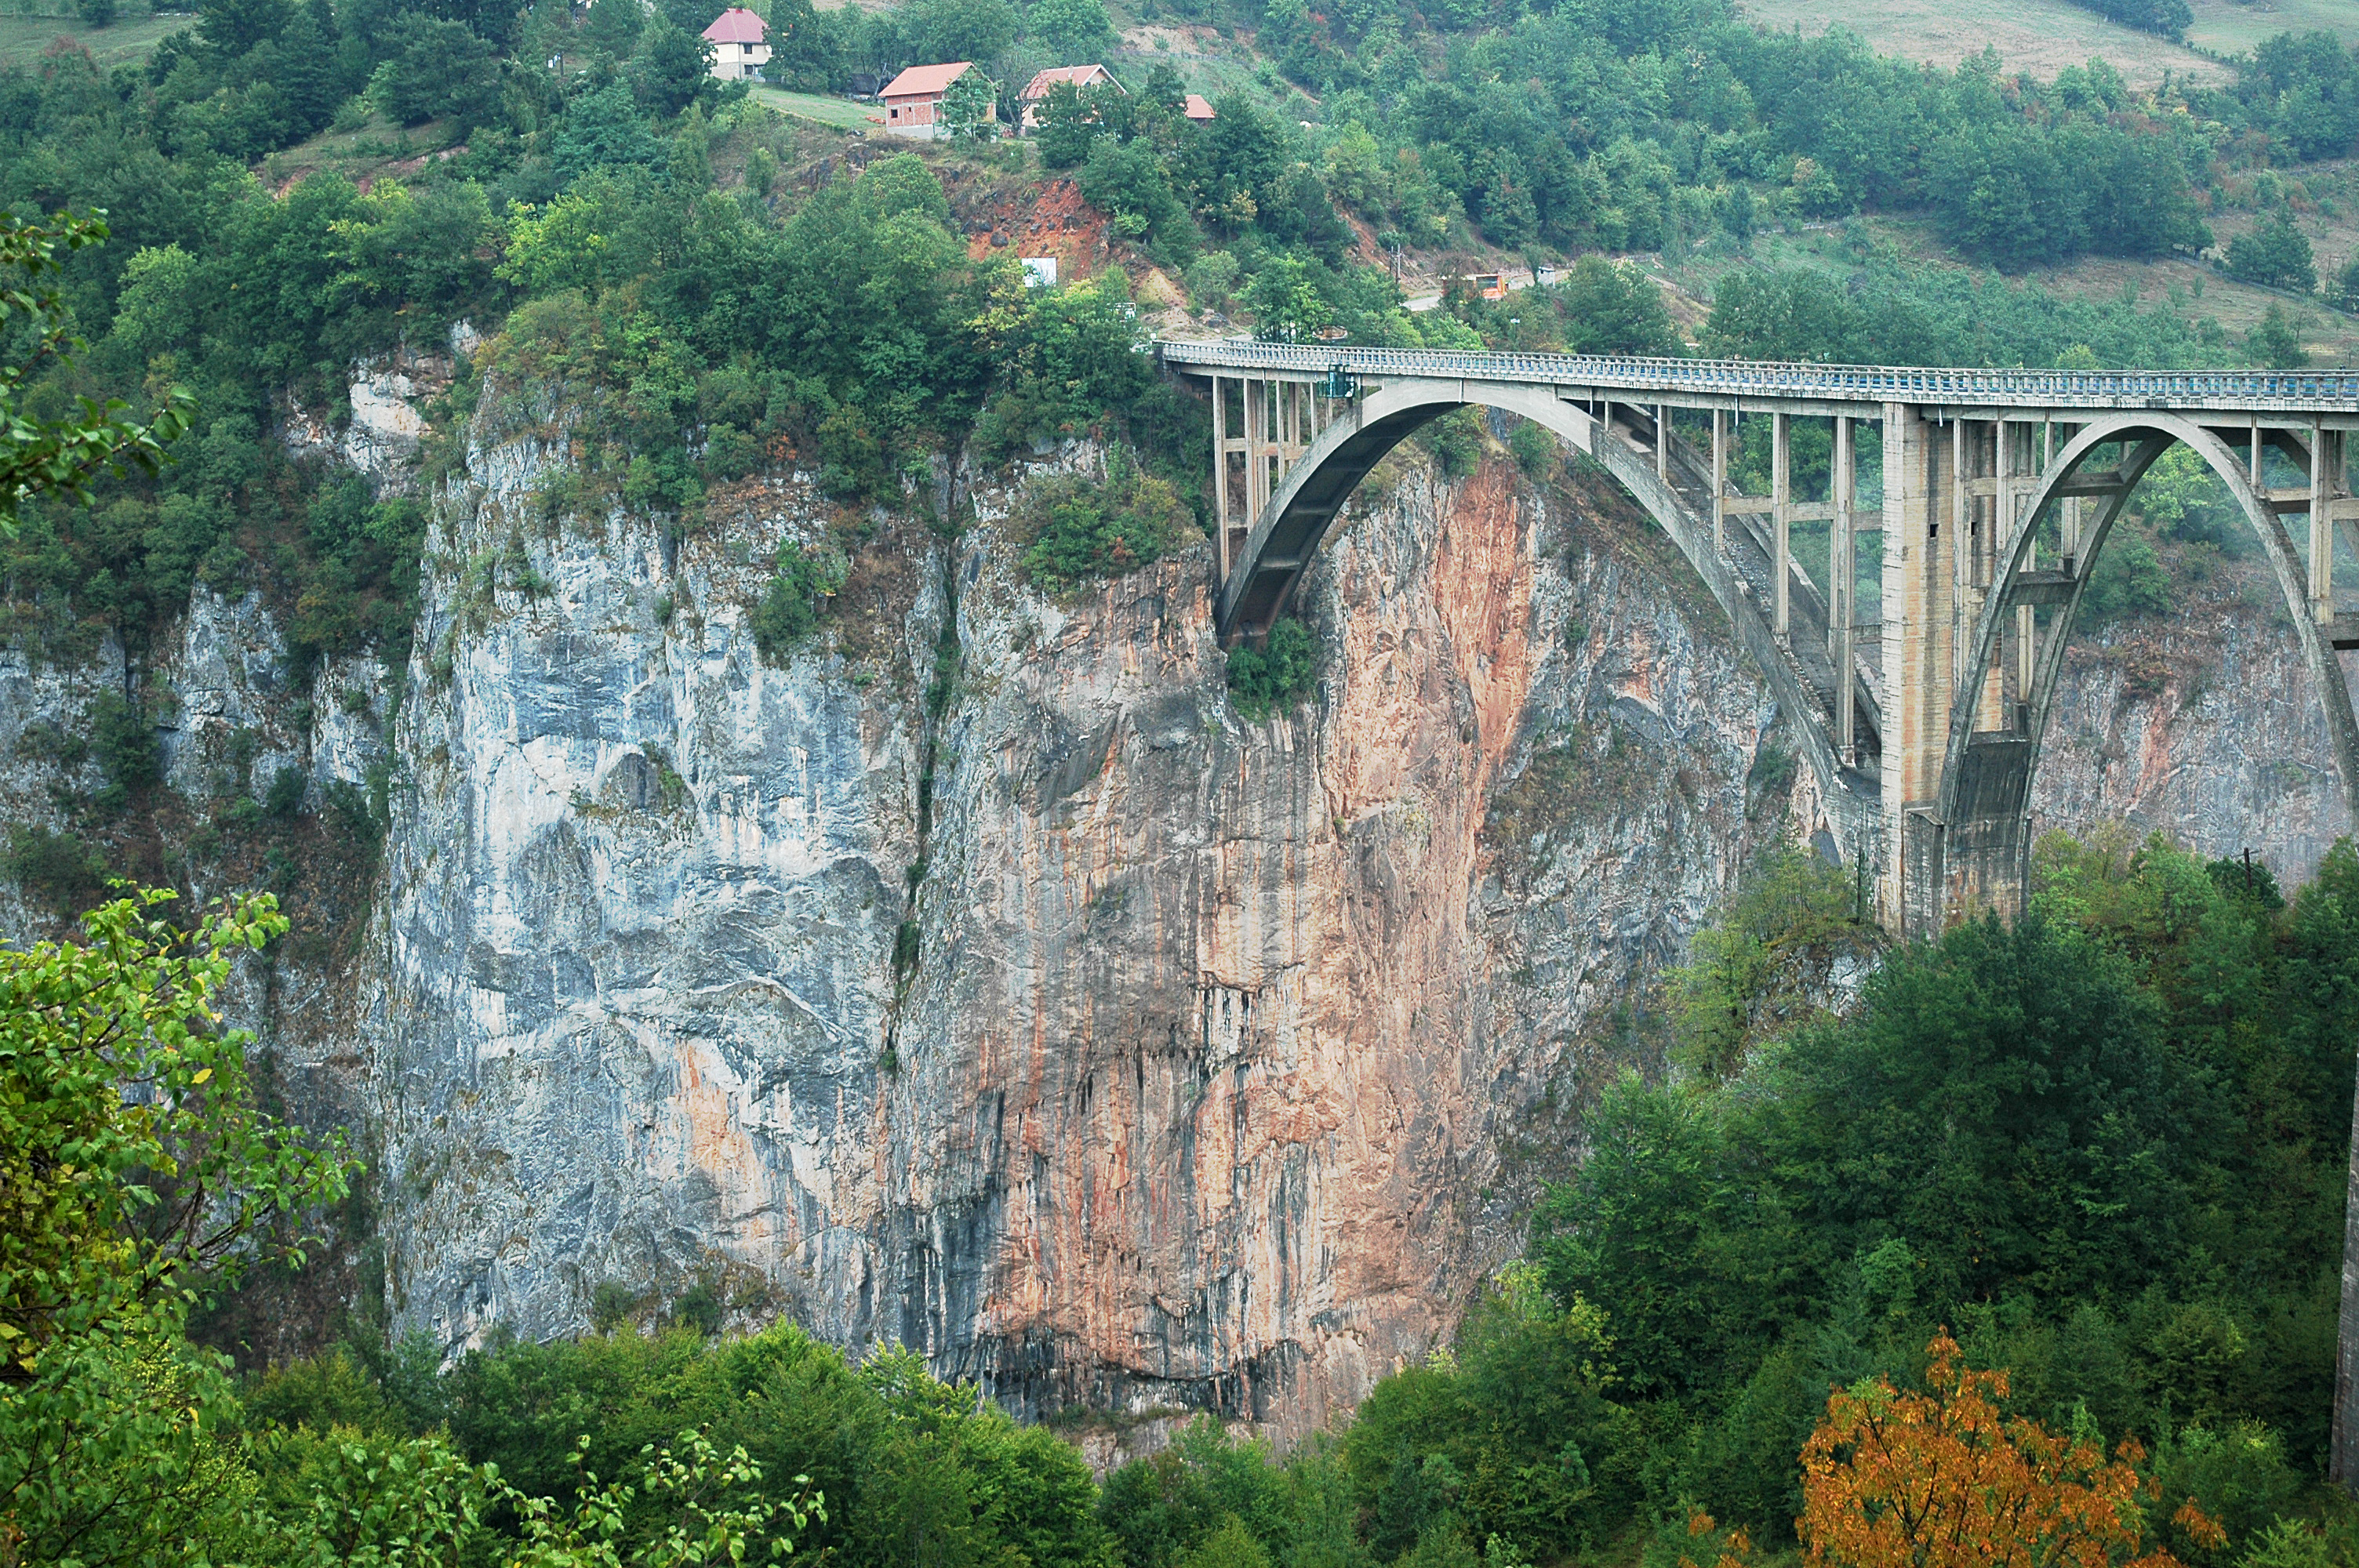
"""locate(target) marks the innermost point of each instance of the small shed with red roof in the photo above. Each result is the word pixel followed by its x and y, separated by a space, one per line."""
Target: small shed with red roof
pixel 1197 108
pixel 913 100
pixel 1081 76
pixel 741 45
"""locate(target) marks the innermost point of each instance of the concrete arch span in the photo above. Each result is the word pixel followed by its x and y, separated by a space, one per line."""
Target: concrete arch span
pixel 1304 504
pixel 1980 815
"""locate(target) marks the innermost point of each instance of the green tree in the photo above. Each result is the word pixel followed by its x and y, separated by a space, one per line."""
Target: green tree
pixel 2273 341
pixel 970 106
pixel 1285 302
pixel 672 67
pixel 1769 958
pixel 1643 1231
pixel 1611 308
pixel 603 129
pixel 1076 31
pixel 1066 120
pixel 231 28
pixel 439 71
pixel 1279 674
pixel 2344 292
pixel 1165 1507
pixel 612 27
pixel 1078 531
pixel 939 31
pixel 2276 253
pixel 2003 194
pixel 1133 182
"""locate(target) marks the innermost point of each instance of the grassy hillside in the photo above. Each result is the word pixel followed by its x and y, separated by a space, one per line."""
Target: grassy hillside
pixel 2045 36
pixel 2038 36
pixel 24 39
pixel 2230 26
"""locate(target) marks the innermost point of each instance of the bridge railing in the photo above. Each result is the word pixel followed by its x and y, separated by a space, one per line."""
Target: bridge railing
pixel 2306 391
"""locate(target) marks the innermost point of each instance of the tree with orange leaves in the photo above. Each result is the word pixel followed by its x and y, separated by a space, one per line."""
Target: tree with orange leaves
pixel 1944 1479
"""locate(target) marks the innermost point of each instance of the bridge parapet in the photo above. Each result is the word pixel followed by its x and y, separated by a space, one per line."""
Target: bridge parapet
pixel 2331 392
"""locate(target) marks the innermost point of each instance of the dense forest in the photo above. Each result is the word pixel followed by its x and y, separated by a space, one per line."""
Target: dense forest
pixel 2104 1148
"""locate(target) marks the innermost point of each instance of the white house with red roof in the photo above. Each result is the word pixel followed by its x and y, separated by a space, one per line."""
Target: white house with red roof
pixel 1080 76
pixel 913 100
pixel 741 45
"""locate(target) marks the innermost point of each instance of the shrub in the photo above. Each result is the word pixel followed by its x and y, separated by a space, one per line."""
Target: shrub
pixel 1276 675
pixel 1534 449
pixel 286 796
pixel 699 1308
pixel 126 748
pixel 790 607
pixel 610 1306
pixel 57 868
pixel 2128 581
pixel 729 453
pixel 348 808
pixel 852 456
pixel 1456 442
pixel 2273 342
pixel 1077 529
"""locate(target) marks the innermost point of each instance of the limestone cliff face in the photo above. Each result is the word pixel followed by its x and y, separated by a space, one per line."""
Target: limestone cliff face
pixel 979 976
pixel 2204 727
pixel 1190 1081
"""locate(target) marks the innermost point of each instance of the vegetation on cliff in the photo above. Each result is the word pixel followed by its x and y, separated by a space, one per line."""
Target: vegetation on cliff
pixel 2103 1148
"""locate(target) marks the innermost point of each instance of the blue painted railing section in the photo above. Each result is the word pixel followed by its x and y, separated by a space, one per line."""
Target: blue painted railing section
pixel 2328 390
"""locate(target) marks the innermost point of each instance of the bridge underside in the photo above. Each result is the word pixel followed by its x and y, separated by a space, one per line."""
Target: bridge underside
pixel 1921 705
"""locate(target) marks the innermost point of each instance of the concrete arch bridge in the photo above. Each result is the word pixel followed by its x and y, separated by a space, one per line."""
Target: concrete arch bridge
pixel 1921 703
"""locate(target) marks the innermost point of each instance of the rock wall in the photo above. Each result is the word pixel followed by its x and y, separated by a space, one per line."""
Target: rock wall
pixel 979 976
pixel 2205 727
pixel 1189 1081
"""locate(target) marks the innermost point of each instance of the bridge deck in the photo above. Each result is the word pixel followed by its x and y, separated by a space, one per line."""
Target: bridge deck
pixel 1708 382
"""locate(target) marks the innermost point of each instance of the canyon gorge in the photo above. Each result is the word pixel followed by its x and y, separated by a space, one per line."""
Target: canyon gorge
pixel 979 976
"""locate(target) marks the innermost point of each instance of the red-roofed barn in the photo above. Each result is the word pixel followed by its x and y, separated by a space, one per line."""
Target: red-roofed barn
pixel 741 44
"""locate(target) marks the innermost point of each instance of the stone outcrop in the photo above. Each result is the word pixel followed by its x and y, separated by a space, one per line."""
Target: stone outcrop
pixel 979 976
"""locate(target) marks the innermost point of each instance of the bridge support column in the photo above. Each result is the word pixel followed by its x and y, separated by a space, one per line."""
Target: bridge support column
pixel 1843 581
pixel 1781 520
pixel 1719 479
pixel 1918 594
pixel 1221 476
pixel 2325 468
pixel 1257 448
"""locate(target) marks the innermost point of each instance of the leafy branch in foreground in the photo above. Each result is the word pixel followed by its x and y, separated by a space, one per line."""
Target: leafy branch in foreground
pixel 132 1157
pixel 134 1168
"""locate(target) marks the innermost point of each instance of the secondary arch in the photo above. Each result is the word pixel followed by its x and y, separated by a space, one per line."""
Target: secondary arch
pixel 1986 782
